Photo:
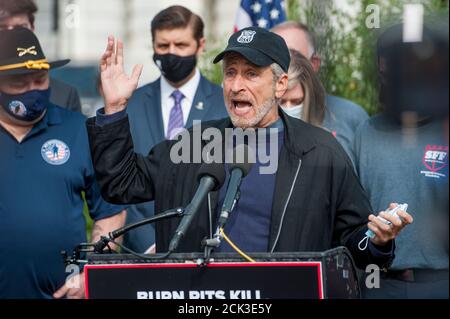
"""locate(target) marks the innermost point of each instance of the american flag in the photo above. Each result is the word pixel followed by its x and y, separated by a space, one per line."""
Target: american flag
pixel 260 13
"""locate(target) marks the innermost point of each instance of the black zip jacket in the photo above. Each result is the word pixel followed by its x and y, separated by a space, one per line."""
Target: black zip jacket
pixel 318 203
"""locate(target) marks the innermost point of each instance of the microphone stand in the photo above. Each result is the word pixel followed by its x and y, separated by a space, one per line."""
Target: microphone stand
pixel 210 244
pixel 99 246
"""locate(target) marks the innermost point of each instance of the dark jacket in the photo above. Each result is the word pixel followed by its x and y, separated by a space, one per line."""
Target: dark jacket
pixel 318 201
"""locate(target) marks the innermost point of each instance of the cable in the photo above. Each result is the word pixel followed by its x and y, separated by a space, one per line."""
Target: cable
pixel 240 252
pixel 142 256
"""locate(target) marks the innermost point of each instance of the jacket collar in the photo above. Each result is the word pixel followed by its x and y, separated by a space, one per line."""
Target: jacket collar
pixel 200 104
pixel 204 86
pixel 297 136
pixel 53 115
pixel 153 111
pixel 154 88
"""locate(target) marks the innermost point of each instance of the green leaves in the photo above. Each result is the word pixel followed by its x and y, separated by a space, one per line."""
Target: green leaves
pixel 345 42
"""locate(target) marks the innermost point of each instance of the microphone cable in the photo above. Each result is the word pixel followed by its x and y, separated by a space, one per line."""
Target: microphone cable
pixel 132 252
pixel 236 248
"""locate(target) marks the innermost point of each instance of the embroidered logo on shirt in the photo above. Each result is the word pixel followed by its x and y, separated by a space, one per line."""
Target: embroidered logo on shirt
pixel 435 159
pixel 55 152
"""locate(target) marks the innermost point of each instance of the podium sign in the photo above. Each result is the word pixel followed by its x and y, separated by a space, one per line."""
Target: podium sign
pixel 295 275
pixel 268 280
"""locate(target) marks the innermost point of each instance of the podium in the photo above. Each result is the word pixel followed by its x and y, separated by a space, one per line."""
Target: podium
pixel 315 275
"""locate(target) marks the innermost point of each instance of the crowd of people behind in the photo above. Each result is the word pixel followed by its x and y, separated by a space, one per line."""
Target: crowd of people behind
pixel 338 168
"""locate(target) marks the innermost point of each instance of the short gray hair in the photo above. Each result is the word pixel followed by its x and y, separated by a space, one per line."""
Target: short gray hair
pixel 277 71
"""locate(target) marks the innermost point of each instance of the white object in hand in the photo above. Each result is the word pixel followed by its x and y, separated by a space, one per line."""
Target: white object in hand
pixel 392 212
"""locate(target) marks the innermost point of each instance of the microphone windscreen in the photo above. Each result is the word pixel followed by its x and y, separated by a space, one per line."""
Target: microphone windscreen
pixel 214 170
pixel 243 158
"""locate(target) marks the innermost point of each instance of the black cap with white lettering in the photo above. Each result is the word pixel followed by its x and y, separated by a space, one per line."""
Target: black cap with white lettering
pixel 259 46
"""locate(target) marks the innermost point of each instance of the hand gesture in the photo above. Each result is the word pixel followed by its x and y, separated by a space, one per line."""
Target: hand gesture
pixel 117 87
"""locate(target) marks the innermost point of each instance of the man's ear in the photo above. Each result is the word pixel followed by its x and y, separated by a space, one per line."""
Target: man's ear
pixel 201 46
pixel 281 86
pixel 315 62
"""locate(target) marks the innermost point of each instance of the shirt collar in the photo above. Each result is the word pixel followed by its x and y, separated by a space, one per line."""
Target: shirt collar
pixel 188 89
pixel 278 124
pixel 52 117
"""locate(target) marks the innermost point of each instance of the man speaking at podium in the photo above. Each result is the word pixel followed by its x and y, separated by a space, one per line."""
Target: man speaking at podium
pixel 312 202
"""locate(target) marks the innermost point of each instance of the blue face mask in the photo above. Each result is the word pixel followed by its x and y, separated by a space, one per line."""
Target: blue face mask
pixel 26 107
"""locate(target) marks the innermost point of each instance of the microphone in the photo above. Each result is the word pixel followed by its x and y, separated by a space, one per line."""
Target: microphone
pixel 211 177
pixel 237 172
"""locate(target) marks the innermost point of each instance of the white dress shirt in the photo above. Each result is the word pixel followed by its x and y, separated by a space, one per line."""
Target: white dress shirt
pixel 167 102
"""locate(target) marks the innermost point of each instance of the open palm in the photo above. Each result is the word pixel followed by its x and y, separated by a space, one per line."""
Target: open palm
pixel 116 85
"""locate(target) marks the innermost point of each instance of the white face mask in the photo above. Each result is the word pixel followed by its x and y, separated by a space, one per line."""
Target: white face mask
pixel 294 111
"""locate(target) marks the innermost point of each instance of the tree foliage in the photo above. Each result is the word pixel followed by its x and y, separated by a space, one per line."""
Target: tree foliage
pixel 346 39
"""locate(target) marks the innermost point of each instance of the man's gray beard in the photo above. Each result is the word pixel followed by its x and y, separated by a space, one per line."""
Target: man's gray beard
pixel 260 113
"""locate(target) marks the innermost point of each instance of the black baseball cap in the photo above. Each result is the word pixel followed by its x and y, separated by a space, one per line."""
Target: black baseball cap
pixel 259 46
pixel 21 53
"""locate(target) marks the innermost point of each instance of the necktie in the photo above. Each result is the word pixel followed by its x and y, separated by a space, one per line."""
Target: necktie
pixel 176 122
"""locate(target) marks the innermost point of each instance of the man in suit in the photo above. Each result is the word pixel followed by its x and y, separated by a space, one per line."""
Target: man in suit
pixel 181 95
pixel 20 13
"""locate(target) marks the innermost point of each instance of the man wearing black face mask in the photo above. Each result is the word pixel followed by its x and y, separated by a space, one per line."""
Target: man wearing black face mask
pixel 158 110
pixel 44 168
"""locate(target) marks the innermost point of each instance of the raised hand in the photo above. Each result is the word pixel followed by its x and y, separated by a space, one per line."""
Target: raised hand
pixel 117 86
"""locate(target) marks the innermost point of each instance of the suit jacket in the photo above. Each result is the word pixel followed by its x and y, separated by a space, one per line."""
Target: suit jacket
pixel 147 129
pixel 64 95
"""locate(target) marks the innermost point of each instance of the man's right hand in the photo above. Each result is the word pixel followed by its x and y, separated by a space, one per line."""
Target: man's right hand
pixel 116 85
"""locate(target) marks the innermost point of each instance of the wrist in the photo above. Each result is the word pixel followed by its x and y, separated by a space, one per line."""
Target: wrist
pixel 379 243
pixel 115 108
